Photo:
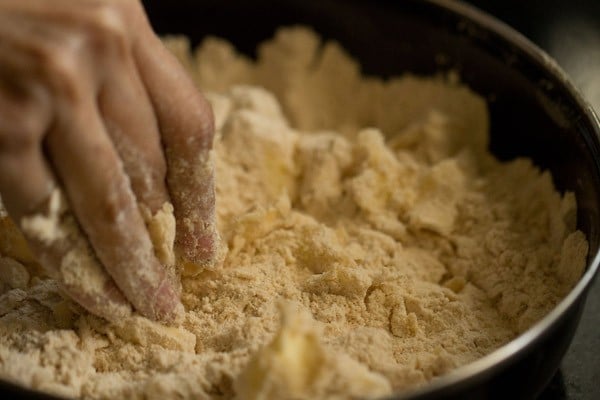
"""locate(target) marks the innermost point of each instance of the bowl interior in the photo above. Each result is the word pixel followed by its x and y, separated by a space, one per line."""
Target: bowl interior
pixel 533 112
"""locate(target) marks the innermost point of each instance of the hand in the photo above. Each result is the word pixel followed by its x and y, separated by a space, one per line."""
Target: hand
pixel 92 103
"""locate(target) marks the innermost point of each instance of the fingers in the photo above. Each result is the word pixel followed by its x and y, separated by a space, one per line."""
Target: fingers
pixel 21 119
pixel 60 246
pixel 101 197
pixel 184 119
pixel 186 125
pixel 26 184
pixel 134 131
pixel 89 168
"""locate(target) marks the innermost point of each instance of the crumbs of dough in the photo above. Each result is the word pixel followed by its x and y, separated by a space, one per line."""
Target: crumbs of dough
pixel 370 241
pixel 161 228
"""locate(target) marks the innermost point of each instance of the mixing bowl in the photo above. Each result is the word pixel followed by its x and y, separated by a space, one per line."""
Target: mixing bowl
pixel 535 112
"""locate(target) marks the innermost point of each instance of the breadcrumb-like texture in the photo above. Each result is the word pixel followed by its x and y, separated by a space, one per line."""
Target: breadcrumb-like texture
pixel 372 244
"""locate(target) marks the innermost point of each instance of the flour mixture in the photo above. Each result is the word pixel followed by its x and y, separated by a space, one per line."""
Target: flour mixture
pixel 371 244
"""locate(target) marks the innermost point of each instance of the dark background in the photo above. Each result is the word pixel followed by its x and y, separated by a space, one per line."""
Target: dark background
pixel 569 30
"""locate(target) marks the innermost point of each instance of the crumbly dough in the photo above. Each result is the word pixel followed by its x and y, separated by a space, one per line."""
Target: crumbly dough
pixel 161 228
pixel 372 244
pixel 78 268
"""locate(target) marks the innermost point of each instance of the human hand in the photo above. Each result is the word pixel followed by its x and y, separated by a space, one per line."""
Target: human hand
pixel 92 103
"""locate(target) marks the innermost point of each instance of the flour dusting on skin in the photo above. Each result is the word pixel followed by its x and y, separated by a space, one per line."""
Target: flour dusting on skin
pixel 370 244
pixel 69 259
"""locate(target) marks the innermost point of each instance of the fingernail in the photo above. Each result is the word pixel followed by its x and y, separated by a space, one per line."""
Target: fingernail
pixel 201 253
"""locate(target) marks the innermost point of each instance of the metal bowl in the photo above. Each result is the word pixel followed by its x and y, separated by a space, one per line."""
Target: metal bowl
pixel 535 112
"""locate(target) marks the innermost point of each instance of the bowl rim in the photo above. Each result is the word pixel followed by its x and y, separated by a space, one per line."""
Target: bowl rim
pixel 485 365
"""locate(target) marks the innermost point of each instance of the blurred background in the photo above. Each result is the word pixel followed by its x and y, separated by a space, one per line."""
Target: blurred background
pixel 569 30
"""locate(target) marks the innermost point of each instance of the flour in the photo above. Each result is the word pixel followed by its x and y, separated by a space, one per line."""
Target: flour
pixel 370 245
pixel 69 258
pixel 161 228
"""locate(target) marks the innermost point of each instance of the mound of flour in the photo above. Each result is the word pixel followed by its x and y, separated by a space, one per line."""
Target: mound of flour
pixel 372 244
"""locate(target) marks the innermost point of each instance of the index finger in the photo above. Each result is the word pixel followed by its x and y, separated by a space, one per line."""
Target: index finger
pixel 186 124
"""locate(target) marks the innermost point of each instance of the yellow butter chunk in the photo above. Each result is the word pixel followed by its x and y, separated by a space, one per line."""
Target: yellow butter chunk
pixel 296 365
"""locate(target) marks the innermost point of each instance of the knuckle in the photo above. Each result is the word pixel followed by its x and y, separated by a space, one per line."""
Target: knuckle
pixel 111 208
pixel 117 202
pixel 24 130
pixel 109 27
pixel 62 64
